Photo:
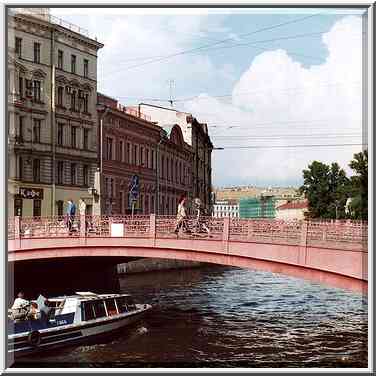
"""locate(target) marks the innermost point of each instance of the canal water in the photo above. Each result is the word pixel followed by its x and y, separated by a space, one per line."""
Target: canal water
pixel 229 317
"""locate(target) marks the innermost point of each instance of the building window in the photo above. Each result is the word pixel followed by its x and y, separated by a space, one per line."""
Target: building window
pixel 21 128
pixel 111 190
pixel 121 145
pixel 36 91
pixel 18 46
pixel 172 169
pixel 36 170
pixel 86 139
pixel 141 156
pixel 60 208
pixel 36 52
pixel 135 161
pixel 20 87
pixel 73 101
pixel 147 158
pixel 109 148
pixel 36 130
pixel 74 137
pixel 162 169
pixel 37 208
pixel 73 64
pixel 60 133
pixel 129 156
pixel 86 175
pixel 86 102
pixel 73 173
pixel 60 172
pixel 20 167
pixel 60 59
pixel 121 202
pixel 60 96
pixel 86 68
pixel 152 160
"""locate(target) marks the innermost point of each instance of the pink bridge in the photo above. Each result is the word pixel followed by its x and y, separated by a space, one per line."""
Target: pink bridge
pixel 332 253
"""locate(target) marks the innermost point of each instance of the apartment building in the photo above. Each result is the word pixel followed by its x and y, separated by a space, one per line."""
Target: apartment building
pixel 52 117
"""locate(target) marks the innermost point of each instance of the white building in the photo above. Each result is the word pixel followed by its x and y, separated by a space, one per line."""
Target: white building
pixel 226 208
pixel 292 210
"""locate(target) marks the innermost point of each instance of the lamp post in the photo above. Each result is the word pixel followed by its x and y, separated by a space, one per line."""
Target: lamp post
pixel 99 179
pixel 162 137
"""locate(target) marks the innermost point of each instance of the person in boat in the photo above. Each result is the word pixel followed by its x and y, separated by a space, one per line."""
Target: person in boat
pixel 20 301
pixel 181 215
pixel 34 312
pixel 20 307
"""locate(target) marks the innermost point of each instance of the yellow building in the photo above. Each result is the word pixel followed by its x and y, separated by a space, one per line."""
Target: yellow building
pixel 52 123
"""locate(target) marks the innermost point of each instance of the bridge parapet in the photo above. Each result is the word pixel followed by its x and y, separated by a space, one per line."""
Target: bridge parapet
pixel 337 234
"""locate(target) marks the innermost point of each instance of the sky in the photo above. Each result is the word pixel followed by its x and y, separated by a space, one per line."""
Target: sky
pixel 274 86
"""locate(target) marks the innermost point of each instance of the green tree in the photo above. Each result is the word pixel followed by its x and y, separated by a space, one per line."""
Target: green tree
pixel 359 186
pixel 327 189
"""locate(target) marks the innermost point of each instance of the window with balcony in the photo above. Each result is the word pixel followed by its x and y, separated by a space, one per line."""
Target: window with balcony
pixel 86 68
pixel 60 96
pixel 60 59
pixel 60 134
pixel 36 130
pixel 86 139
pixel 36 91
pixel 73 173
pixel 86 175
pixel 36 52
pixel 36 170
pixel 18 46
pixel 74 137
pixel 60 172
pixel 73 64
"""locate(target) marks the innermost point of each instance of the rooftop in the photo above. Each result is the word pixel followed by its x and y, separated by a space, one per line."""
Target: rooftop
pixel 294 205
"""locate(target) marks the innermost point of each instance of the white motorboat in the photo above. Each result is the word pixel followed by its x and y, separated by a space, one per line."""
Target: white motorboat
pixel 67 320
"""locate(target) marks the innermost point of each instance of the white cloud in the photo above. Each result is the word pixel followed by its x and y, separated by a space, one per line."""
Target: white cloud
pixel 277 95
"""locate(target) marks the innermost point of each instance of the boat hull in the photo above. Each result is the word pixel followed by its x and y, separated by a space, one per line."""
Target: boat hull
pixel 71 334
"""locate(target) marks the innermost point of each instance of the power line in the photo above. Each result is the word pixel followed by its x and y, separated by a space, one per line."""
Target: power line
pixel 222 41
pixel 288 146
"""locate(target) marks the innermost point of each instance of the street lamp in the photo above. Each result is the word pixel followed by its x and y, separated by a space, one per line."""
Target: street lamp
pixel 162 137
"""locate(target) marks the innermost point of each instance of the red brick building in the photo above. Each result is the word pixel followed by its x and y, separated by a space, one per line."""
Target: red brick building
pixel 132 145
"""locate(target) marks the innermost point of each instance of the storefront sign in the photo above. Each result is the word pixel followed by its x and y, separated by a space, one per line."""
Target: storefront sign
pixel 32 193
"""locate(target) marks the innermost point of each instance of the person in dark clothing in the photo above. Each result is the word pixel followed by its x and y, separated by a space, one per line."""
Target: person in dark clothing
pixel 71 212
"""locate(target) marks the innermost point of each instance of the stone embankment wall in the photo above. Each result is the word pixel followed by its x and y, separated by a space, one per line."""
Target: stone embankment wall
pixel 153 264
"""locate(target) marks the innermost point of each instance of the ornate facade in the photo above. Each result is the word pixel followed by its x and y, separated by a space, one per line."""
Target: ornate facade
pixel 52 122
pixel 132 146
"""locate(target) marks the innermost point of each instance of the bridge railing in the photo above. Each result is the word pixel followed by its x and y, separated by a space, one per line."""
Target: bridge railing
pixel 328 233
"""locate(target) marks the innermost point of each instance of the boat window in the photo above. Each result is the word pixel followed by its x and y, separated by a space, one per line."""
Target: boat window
pixel 99 309
pixel 130 303
pixel 122 307
pixel 111 307
pixel 88 311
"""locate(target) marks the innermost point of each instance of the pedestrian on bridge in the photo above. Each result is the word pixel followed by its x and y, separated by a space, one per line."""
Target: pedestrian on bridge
pixel 181 215
pixel 71 212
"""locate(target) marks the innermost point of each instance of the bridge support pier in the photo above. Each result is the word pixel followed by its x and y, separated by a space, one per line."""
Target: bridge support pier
pixel 62 277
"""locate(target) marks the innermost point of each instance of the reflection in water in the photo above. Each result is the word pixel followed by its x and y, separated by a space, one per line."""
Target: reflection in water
pixel 229 317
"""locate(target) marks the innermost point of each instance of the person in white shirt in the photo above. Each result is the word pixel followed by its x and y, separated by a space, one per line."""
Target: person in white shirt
pixel 20 302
